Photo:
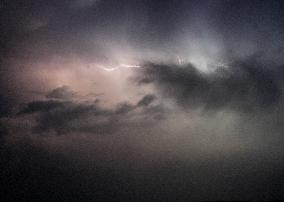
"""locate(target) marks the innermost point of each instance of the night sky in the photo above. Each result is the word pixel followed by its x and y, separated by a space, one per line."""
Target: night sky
pixel 141 100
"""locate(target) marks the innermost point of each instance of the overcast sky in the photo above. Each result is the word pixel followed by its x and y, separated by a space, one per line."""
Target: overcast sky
pixel 133 100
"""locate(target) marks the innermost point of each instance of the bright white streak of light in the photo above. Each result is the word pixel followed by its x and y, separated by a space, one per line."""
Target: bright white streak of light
pixel 110 69
pixel 129 66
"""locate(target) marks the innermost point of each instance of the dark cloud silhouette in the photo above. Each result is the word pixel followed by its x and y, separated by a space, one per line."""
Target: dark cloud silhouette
pixel 150 149
pixel 64 117
pixel 242 86
pixel 59 116
pixel 63 92
pixel 146 100
pixel 42 106
pixel 124 108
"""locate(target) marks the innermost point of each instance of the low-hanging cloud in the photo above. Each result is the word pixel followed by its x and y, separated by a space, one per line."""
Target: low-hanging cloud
pixel 180 135
pixel 241 86
pixel 63 116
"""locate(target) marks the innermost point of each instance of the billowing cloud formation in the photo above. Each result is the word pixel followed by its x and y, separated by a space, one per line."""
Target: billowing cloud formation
pixel 205 121
pixel 64 117
pixel 241 86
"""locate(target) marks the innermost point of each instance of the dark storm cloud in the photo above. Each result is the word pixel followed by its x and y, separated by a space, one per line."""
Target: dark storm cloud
pixel 41 106
pixel 63 92
pixel 58 116
pixel 93 30
pixel 242 86
pixel 39 30
pixel 166 169
pixel 124 108
pixel 146 100
pixel 69 116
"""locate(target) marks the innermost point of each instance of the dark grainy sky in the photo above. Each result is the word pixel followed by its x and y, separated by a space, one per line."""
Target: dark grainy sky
pixel 140 100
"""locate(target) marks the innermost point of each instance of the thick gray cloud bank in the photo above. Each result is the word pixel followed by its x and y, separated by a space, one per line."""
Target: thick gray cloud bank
pixel 68 116
pixel 221 136
pixel 138 100
pixel 241 86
